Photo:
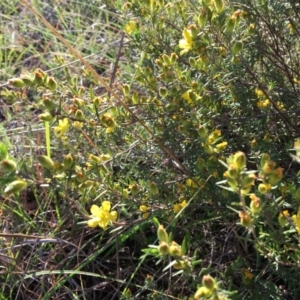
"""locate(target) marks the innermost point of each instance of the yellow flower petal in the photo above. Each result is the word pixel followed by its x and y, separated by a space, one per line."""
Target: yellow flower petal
pixel 103 223
pixel 106 206
pixel 62 128
pixel 187 34
pixel 183 203
pixel 176 208
pixel 95 210
pixel 93 222
pixel 113 216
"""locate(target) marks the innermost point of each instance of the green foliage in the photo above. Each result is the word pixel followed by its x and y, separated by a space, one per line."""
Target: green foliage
pixel 180 139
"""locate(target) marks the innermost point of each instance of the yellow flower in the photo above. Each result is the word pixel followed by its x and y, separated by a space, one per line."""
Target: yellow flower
pixel 259 93
pixel 247 274
pixel 193 182
pixel 144 208
pixel 278 172
pixel 296 219
pixel 183 203
pixel 280 105
pixel 214 136
pixel 101 215
pixel 286 213
pixel 217 132
pixel 187 96
pixel 78 125
pixel 62 128
pixel 178 206
pixel 109 122
pixel 221 146
pixel 186 43
pixel 146 211
pixel 263 103
pixel 130 27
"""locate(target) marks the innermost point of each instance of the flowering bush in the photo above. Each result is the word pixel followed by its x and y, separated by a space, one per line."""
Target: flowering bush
pixel 195 128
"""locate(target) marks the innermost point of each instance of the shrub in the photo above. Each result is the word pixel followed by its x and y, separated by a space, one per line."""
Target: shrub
pixel 192 130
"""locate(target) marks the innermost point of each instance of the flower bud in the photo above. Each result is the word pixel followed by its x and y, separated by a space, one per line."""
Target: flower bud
pixel 232 171
pixel 27 79
pixel 8 165
pixel 245 219
pixel 202 17
pixel 134 188
pixel 16 82
pixel 194 30
pixel 239 159
pixel 192 62
pixel 173 57
pixel 230 25
pixel 86 184
pixel 237 47
pixel 219 5
pixel 80 176
pixel 282 218
pixel 51 84
pixel 233 183
pixel 274 179
pixel 163 248
pixel 202 293
pixel 175 250
pixel 79 102
pixel 245 191
pixel 126 89
pixel 79 114
pixel 48 103
pixel 105 157
pixel 163 92
pixel 46 162
pixel 68 162
pixel 268 167
pixel 39 77
pixel 264 159
pixel 153 188
pixel 208 149
pixel 162 234
pixel 97 101
pixel 179 265
pixel 202 132
pixel 248 180
pixel 209 282
pixel 255 205
pixel 15 187
pixel 47 117
pixel 135 97
pixel 264 188
pixel 166 60
pixel 127 5
pixel 251 29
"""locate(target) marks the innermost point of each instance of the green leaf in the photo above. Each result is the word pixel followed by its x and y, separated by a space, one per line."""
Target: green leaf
pixel 3 151
pixel 155 221
pixel 186 243
pixel 15 187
